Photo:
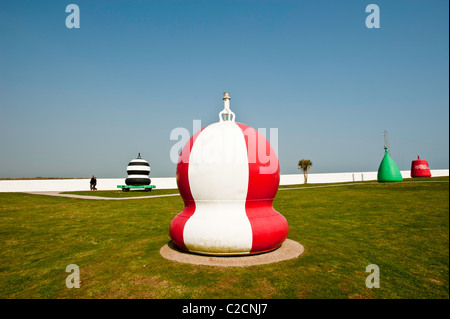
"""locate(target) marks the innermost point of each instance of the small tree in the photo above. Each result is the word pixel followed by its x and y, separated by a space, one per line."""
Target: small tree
pixel 305 166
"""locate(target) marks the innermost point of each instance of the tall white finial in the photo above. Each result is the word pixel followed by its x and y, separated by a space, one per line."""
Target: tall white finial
pixel 226 114
pixel 226 98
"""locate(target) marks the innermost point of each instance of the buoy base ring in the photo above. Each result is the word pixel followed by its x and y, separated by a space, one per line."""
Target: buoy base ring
pixel 288 250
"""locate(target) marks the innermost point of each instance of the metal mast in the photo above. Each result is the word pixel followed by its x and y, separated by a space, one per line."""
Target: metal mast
pixel 386 141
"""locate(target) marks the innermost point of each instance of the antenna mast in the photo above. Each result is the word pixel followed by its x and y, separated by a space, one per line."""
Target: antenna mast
pixel 386 141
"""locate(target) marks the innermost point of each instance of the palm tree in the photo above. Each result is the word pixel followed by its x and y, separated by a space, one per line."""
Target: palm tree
pixel 305 166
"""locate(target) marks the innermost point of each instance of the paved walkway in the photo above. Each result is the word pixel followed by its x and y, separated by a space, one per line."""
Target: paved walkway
pixel 98 197
pixel 169 195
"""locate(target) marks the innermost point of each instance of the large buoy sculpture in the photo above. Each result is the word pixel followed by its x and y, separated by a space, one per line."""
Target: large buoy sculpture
pixel 228 175
pixel 420 168
pixel 388 170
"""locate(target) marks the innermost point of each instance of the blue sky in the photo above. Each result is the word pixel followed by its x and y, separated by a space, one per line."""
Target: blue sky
pixel 76 102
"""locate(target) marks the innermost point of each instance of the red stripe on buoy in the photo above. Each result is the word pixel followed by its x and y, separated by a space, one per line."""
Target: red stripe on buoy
pixel 178 222
pixel 269 228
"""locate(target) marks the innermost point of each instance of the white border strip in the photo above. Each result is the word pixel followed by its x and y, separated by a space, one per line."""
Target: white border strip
pixel 70 185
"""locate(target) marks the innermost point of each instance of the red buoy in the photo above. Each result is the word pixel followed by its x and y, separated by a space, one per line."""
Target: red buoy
pixel 228 175
pixel 420 168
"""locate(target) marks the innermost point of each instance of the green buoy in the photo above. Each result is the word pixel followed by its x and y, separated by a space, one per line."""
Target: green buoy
pixel 388 170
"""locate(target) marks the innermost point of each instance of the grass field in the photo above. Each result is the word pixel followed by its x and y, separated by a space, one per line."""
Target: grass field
pixel 401 227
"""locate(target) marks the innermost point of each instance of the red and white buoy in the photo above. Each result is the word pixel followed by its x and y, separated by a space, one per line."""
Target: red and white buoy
pixel 228 175
pixel 420 168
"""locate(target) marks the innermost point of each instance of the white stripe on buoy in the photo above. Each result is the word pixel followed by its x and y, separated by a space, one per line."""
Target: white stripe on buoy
pixel 218 179
pixel 138 176
pixel 138 160
pixel 138 168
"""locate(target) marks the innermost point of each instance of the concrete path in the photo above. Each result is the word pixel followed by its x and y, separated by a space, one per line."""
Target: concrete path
pixel 97 197
pixel 169 195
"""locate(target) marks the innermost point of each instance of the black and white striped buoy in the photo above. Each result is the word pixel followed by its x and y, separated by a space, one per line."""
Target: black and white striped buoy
pixel 138 171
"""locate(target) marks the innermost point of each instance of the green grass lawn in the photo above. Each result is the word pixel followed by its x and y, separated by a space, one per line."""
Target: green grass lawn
pixel 401 227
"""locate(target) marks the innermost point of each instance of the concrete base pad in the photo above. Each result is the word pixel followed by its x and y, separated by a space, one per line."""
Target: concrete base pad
pixel 288 250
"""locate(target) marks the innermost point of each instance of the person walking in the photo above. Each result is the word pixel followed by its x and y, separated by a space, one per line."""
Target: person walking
pixel 93 182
